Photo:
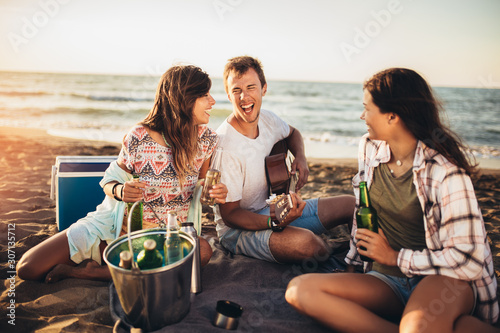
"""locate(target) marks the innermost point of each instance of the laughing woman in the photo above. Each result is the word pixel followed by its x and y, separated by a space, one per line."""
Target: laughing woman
pixel 433 268
pixel 170 150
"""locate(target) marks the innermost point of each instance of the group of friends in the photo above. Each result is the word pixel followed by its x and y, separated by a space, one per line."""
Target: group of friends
pixel 433 267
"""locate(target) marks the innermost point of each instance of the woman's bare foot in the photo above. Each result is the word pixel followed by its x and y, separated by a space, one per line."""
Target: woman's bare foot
pixel 59 272
pixel 87 269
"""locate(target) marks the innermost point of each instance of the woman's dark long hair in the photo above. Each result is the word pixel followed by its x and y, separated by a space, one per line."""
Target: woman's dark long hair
pixel 404 92
pixel 172 113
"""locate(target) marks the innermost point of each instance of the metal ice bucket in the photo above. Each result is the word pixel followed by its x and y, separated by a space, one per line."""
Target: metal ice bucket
pixel 154 298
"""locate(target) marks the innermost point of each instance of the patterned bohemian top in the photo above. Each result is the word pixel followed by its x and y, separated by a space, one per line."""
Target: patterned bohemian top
pixel 154 164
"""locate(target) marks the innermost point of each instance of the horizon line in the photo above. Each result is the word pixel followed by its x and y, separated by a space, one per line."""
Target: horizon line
pixel 220 78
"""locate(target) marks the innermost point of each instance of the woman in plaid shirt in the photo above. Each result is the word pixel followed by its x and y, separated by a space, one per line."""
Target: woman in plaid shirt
pixel 433 268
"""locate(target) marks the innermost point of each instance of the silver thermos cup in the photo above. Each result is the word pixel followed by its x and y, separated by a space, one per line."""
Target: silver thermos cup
pixel 188 228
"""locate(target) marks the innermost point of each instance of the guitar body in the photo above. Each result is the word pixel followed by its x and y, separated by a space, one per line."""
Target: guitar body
pixel 278 166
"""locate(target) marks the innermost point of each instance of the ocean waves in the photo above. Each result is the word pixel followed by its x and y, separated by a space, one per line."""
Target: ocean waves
pixel 58 94
pixel 105 107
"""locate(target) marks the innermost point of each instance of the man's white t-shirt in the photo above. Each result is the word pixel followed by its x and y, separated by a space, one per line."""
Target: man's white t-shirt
pixel 243 167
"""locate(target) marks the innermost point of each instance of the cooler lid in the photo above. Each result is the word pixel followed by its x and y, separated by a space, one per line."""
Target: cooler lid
pixel 83 163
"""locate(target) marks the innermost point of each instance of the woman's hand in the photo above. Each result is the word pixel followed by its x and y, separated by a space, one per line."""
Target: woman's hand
pixel 219 192
pixel 133 191
pixel 377 247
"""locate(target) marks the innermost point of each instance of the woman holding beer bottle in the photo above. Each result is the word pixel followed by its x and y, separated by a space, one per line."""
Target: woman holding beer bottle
pixel 169 151
pixel 432 266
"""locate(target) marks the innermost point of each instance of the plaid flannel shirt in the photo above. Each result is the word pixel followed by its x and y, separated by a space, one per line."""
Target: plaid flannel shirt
pixel 455 236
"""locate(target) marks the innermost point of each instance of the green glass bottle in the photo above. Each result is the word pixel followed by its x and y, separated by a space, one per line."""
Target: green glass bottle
pixel 137 213
pixel 173 244
pixel 366 216
pixel 149 257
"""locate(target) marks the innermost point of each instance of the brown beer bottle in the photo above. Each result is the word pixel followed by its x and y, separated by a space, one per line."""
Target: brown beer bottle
pixel 125 259
pixel 366 216
pixel 212 177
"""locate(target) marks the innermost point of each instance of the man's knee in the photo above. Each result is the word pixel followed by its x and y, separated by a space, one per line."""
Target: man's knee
pixel 312 246
pixel 336 210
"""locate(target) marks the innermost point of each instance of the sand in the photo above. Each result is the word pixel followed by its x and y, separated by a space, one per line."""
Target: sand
pixel 27 217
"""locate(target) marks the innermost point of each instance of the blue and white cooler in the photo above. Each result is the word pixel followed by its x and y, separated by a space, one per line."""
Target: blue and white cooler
pixel 75 186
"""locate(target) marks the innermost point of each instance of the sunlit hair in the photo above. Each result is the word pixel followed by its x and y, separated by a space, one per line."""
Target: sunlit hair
pixel 240 65
pixel 404 92
pixel 172 113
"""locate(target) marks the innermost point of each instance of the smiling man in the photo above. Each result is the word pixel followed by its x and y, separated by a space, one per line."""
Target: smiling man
pixel 247 137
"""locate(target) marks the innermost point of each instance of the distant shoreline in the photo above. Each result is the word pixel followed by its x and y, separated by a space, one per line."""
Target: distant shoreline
pixel 339 155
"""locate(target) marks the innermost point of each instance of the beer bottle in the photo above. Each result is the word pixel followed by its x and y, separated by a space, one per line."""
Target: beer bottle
pixel 125 259
pixel 366 216
pixel 137 213
pixel 173 245
pixel 149 257
pixel 212 178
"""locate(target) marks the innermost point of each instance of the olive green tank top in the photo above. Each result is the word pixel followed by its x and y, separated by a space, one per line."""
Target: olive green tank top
pixel 399 213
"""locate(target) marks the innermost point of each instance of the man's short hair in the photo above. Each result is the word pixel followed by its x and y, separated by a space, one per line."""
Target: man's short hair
pixel 240 65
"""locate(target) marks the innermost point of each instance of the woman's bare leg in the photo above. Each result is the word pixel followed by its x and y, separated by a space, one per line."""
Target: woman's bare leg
pixel 442 304
pixel 346 302
pixel 39 260
pixel 50 260
pixel 88 269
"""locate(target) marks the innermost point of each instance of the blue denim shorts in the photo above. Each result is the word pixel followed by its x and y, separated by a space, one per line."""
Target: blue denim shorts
pixel 255 244
pixel 402 286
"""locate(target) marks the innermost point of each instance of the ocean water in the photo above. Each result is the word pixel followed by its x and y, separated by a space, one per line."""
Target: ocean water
pixel 104 107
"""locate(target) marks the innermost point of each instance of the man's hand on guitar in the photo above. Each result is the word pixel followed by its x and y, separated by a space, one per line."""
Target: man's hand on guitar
pixel 298 206
pixel 286 208
pixel 300 165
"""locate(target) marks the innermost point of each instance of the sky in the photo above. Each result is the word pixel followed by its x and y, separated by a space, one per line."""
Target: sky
pixel 450 42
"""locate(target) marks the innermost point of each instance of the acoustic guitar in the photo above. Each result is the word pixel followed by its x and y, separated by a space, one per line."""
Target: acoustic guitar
pixel 281 182
pixel 278 167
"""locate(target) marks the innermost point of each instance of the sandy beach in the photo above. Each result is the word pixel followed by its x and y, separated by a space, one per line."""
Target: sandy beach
pixel 27 217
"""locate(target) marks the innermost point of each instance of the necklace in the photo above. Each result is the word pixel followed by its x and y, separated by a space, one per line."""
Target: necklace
pixel 163 136
pixel 399 163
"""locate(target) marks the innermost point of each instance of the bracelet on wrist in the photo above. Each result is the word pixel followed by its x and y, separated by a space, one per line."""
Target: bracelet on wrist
pixel 269 222
pixel 113 191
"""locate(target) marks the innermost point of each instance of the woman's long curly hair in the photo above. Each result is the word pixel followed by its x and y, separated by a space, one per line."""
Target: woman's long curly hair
pixel 172 113
pixel 404 92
